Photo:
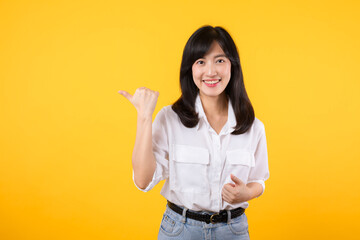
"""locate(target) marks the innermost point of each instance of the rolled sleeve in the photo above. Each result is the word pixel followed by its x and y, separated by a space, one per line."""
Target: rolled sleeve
pixel 160 150
pixel 260 172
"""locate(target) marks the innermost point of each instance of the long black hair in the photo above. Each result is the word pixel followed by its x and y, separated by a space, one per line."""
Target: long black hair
pixel 196 47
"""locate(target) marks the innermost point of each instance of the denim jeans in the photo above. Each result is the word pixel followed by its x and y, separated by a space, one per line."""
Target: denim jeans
pixel 176 226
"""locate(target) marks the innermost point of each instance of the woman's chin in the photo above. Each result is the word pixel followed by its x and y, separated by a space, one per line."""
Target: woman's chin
pixel 211 93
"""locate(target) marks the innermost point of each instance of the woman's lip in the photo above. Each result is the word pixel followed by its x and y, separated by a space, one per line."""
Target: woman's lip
pixel 207 82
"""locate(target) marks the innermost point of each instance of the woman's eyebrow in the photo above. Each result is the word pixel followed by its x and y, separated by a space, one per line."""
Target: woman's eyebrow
pixel 220 55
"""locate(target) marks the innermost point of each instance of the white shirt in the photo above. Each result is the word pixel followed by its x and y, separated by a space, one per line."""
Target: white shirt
pixel 197 162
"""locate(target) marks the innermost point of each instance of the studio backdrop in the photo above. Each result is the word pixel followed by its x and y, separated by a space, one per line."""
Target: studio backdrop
pixel 66 135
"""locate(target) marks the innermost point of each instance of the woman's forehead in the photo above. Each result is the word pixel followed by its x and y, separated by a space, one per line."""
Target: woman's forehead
pixel 215 51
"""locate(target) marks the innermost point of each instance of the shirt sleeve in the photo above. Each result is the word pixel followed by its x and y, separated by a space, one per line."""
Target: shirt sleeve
pixel 260 172
pixel 160 150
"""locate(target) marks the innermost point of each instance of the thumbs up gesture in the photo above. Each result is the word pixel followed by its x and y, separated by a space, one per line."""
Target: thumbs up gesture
pixel 144 100
pixel 236 192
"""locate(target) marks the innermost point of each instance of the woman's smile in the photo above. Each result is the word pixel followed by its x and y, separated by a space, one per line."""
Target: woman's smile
pixel 211 82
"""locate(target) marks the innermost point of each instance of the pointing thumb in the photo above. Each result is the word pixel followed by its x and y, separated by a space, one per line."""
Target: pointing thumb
pixel 125 94
pixel 236 180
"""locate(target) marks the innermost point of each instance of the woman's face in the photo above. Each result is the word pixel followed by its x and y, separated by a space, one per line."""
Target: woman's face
pixel 212 73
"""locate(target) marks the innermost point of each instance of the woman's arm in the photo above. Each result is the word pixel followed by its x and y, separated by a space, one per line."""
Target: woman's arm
pixel 143 160
pixel 255 190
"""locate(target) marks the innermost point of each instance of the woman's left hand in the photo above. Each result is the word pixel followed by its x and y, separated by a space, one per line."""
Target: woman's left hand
pixel 236 192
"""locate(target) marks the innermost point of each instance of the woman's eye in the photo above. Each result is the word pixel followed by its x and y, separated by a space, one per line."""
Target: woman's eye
pixel 200 62
pixel 221 60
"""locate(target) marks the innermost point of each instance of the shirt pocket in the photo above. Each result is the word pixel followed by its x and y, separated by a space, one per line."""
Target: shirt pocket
pixel 241 157
pixel 239 163
pixel 189 166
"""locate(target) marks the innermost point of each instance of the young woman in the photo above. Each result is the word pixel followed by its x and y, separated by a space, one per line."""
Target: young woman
pixel 208 146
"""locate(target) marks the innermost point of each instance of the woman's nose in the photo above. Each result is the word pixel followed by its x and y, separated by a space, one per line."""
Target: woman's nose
pixel 211 69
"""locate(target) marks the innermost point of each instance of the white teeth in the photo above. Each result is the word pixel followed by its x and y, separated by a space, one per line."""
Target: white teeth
pixel 212 82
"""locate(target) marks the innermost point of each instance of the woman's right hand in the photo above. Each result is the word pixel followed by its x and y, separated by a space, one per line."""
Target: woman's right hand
pixel 144 100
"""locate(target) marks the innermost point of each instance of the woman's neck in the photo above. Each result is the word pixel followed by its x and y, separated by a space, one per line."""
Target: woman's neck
pixel 215 106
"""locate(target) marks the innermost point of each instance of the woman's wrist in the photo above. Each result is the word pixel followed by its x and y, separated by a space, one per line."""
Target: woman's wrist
pixel 254 189
pixel 144 117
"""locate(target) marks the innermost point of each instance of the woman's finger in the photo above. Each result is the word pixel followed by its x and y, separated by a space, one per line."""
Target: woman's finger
pixel 228 191
pixel 126 94
pixel 229 187
pixel 225 196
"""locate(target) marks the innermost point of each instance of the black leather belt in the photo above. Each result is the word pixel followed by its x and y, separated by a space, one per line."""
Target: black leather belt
pixel 208 218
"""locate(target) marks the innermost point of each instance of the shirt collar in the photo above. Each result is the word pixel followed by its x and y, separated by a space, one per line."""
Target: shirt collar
pixel 228 127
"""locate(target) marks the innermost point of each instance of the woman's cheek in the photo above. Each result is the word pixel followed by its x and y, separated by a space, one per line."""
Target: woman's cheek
pixel 196 77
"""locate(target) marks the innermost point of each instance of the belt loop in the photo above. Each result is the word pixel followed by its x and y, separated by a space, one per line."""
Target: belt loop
pixel 228 216
pixel 183 220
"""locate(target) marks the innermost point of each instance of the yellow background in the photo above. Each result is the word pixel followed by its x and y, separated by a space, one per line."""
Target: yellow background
pixel 66 135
